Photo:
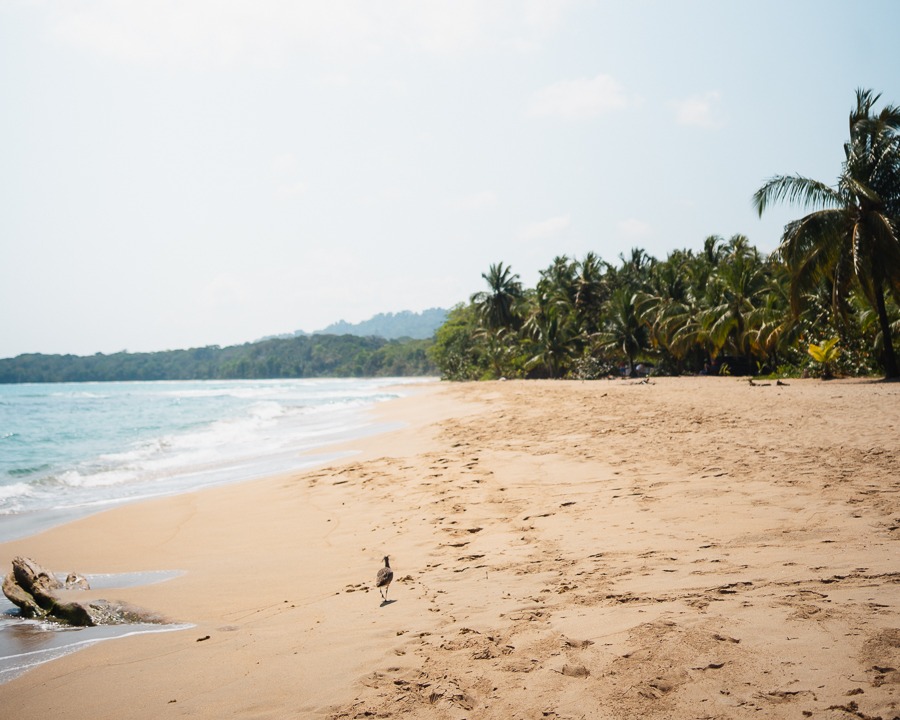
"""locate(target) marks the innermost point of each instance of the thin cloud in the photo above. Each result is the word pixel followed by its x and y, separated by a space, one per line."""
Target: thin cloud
pixel 266 33
pixel 224 291
pixel 634 229
pixel 293 190
pixel 476 201
pixel 546 229
pixel 284 164
pixel 700 111
pixel 579 99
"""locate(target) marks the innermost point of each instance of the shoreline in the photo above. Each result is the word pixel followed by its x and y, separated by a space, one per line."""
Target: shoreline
pixel 188 435
pixel 611 549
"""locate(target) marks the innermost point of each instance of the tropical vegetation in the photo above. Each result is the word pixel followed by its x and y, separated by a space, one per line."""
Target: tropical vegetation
pixel 832 283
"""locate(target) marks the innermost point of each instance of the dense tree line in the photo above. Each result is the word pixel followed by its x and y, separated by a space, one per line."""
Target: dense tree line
pixel 299 357
pixel 826 301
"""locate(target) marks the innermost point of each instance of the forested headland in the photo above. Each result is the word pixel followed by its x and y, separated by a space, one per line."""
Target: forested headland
pixel 298 357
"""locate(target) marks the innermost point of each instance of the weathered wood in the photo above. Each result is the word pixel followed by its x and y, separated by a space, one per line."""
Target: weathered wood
pixel 76 581
pixel 32 576
pixel 20 598
pixel 34 591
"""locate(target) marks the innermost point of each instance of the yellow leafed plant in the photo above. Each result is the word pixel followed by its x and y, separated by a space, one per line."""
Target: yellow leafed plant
pixel 825 354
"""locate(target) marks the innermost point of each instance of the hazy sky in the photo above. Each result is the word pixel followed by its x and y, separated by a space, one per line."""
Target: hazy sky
pixel 179 173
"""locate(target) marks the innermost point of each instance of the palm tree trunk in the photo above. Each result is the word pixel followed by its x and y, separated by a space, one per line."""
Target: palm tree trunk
pixel 890 357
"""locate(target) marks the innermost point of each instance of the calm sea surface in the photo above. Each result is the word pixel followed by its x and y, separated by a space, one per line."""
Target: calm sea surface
pixel 68 450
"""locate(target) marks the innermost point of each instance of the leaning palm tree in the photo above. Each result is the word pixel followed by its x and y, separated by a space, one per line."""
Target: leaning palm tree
pixel 852 237
pixel 498 307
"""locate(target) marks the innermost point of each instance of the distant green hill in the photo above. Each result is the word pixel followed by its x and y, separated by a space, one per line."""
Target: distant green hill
pixel 295 357
pixel 392 326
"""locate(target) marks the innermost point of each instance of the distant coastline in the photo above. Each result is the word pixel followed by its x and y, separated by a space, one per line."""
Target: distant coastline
pixel 311 356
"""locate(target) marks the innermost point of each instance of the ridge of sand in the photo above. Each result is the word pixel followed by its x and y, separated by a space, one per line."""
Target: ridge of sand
pixel 684 548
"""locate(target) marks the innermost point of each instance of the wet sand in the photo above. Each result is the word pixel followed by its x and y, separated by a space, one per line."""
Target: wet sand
pixel 683 548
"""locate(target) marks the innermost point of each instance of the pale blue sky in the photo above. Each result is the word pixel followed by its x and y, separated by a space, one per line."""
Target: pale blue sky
pixel 177 173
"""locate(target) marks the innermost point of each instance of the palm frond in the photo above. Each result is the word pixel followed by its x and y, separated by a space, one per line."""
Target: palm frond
pixel 796 189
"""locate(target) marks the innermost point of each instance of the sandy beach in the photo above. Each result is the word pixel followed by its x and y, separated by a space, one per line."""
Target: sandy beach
pixel 679 548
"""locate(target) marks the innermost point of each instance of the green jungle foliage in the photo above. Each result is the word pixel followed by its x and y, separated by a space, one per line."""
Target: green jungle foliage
pixel 724 310
pixel 299 357
pixel 728 309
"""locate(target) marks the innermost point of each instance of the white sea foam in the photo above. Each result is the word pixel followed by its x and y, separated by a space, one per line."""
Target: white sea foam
pixel 15 490
pixel 12 497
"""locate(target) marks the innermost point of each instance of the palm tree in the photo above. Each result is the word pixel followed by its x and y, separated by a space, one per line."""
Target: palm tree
pixel 548 333
pixel 665 305
pixel 774 329
pixel 559 279
pixel 499 346
pixel 498 307
pixel 623 331
pixel 853 235
pixel 712 250
pixel 636 268
pixel 590 292
pixel 740 285
pixel 555 291
pixel 550 344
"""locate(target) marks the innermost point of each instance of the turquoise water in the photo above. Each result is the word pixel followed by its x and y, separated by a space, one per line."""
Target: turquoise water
pixel 71 449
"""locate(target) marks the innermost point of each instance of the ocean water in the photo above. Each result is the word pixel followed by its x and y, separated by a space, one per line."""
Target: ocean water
pixel 68 450
pixel 75 448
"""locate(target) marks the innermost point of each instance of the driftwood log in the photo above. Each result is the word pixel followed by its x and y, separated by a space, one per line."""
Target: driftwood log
pixel 34 591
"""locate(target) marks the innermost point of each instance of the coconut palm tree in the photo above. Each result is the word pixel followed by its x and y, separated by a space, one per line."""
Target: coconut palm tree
pixel 498 307
pixel 774 330
pixel 499 346
pixel 623 332
pixel 740 287
pixel 666 305
pixel 550 343
pixel 636 268
pixel 852 237
pixel 590 292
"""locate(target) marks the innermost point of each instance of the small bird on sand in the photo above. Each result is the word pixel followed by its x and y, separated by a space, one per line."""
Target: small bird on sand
pixel 383 578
